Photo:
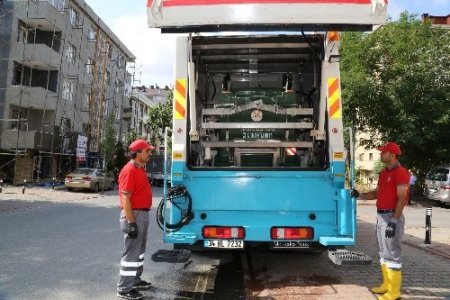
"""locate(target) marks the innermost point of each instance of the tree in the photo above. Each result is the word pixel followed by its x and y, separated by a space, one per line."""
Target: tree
pixel 108 143
pixel 119 158
pixel 396 84
pixel 160 117
pixel 131 136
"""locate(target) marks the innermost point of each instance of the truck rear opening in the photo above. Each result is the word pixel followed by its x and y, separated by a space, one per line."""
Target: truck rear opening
pixel 257 102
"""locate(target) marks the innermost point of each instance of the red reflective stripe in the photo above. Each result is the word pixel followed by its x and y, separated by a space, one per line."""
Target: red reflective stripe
pixel 219 2
pixel 181 89
pixel 333 88
pixel 335 107
pixel 180 109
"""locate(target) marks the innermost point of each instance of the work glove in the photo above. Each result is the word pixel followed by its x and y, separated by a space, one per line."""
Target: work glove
pixel 132 230
pixel 354 193
pixel 390 229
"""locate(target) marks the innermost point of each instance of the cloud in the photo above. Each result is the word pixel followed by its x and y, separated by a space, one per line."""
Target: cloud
pixel 155 52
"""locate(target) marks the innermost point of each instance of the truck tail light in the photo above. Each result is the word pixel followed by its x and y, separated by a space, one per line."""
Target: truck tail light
pixel 291 233
pixel 87 178
pixel 220 232
pixel 445 187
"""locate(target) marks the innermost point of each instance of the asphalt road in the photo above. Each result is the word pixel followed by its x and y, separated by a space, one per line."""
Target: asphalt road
pixel 72 251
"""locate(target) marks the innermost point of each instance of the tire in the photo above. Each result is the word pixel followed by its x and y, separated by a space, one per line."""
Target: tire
pixel 96 187
pixel 70 189
pixel 113 185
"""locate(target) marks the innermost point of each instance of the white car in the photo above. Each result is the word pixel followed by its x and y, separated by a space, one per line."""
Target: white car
pixel 437 184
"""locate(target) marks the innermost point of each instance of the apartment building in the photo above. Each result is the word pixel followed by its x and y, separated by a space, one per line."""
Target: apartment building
pixel 366 160
pixel 138 112
pixel 157 94
pixel 63 72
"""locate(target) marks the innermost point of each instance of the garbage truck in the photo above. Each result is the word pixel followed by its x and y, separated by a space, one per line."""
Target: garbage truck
pixel 258 151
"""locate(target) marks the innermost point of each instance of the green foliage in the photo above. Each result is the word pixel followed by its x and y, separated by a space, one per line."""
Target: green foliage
pixel 160 117
pixel 131 136
pixel 396 82
pixel 379 166
pixel 108 143
pixel 119 158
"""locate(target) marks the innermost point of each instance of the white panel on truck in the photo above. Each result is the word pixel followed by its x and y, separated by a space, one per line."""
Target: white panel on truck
pixel 265 15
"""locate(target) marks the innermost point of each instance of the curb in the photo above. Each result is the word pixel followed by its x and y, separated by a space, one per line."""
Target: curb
pixel 429 249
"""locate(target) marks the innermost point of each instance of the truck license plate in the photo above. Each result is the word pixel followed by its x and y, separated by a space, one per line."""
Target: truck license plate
pixel 291 245
pixel 226 244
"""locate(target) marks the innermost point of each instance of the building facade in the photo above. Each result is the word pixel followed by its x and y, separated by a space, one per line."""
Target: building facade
pixel 366 160
pixel 63 73
pixel 138 115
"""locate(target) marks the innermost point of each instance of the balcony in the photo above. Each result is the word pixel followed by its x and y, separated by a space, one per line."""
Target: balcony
pixel 31 139
pixel 36 56
pixel 41 15
pixel 31 97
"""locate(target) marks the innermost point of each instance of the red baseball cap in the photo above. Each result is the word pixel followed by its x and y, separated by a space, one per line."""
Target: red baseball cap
pixel 391 147
pixel 140 145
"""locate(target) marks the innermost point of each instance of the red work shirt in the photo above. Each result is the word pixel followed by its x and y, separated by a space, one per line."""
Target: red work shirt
pixel 133 179
pixel 388 181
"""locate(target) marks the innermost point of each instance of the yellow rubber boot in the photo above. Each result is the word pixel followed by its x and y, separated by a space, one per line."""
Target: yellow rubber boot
pixel 395 283
pixel 384 287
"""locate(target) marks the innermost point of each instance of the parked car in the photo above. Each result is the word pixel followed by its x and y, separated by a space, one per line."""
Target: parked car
pixel 87 178
pixel 437 184
pixel 155 170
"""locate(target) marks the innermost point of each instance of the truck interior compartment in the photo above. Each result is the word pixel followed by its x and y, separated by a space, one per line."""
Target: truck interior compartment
pixel 257 102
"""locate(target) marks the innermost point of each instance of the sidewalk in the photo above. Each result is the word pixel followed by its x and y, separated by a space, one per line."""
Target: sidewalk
pixel 415 226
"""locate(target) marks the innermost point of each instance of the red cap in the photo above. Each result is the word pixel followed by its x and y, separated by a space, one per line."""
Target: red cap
pixel 140 145
pixel 391 147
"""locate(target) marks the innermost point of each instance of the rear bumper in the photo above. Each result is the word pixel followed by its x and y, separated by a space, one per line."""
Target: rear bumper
pixel 78 185
pixel 192 238
pixel 441 198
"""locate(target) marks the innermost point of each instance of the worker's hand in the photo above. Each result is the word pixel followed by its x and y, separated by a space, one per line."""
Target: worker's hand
pixel 390 229
pixel 354 193
pixel 132 230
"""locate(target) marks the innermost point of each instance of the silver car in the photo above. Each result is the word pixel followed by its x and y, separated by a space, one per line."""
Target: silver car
pixel 437 184
pixel 91 179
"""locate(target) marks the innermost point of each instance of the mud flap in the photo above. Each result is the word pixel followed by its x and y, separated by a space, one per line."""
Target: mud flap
pixel 172 256
pixel 343 257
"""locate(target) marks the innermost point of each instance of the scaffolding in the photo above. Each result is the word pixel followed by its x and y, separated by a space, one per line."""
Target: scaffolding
pixel 54 153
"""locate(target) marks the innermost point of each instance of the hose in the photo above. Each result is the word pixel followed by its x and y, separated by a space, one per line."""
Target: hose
pixel 174 193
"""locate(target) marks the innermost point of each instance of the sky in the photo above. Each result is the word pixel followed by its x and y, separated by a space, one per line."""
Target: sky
pixel 155 51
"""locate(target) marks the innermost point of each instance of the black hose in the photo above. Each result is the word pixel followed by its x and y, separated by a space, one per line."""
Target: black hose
pixel 186 216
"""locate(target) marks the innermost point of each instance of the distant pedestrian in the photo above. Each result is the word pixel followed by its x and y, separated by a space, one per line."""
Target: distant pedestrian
pixel 136 200
pixel 392 196
pixel 412 182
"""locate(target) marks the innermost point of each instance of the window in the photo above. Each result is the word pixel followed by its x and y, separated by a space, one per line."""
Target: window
pixel 86 99
pixel 110 51
pixel 68 90
pixel 117 113
pixel 65 126
pixel 370 156
pixel 361 157
pixel 74 17
pixel 22 34
pixel 70 53
pixel 58 4
pixel 106 106
pixel 89 66
pixel 15 115
pixel 92 35
pixel 121 62
pixel 119 85
pixel 108 77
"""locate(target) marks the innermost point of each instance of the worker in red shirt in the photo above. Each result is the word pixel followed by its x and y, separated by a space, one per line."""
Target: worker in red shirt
pixel 136 200
pixel 392 196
